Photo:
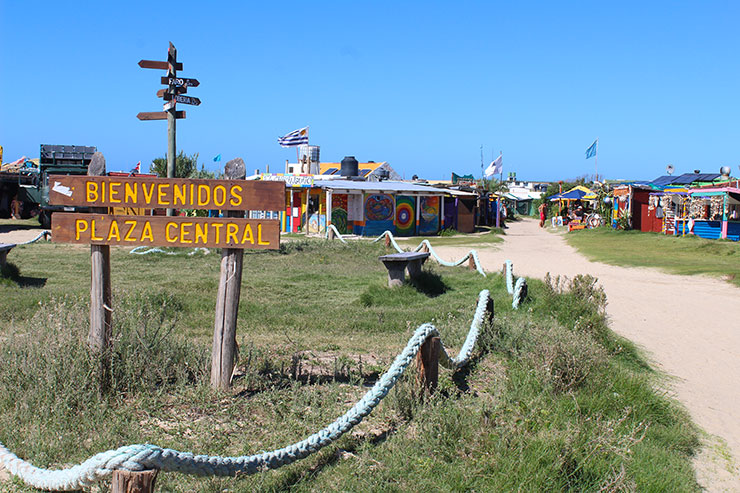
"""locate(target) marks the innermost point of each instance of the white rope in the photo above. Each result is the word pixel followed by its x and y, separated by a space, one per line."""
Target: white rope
pixel 143 456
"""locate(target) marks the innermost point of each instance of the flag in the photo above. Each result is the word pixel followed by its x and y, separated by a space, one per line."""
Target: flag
pixel 294 138
pixel 592 149
pixel 496 167
pixel 137 169
pixel 217 159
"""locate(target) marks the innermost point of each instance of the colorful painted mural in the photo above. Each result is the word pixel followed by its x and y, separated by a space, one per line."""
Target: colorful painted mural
pixel 378 213
pixel 405 215
pixel 429 221
pixel 339 212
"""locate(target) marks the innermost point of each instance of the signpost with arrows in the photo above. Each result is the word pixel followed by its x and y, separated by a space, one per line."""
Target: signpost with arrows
pixel 173 94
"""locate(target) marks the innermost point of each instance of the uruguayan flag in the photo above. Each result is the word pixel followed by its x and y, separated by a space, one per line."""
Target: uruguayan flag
pixel 294 138
pixel 591 151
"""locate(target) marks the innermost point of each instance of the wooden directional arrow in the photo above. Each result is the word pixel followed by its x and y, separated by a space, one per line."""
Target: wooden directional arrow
pixel 186 99
pixel 169 105
pixel 158 65
pixel 158 115
pixel 180 81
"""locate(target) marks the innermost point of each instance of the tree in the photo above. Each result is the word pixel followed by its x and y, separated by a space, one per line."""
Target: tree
pixel 185 166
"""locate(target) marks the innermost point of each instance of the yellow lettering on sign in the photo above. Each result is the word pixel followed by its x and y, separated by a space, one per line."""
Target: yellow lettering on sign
pixel 204 188
pixel 185 233
pixel 147 232
pixel 170 239
pixel 130 192
pixel 179 194
pixel 92 232
pixel 201 233
pixel 113 192
pixel 231 230
pixel 161 192
pixel 114 231
pixel 217 227
pixel 259 236
pixel 131 224
pixel 92 192
pixel 248 236
pixel 148 194
pixel 236 198
pixel 222 189
pixel 80 227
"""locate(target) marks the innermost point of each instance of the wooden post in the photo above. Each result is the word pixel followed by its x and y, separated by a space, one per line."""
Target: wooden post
pixel 223 357
pixel 100 291
pixel 133 481
pixel 427 361
pixel 471 262
pixel 489 310
pixel 387 241
pixel 171 120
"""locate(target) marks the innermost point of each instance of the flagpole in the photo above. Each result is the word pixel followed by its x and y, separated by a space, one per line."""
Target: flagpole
pixel 501 153
pixel 482 175
pixel 597 159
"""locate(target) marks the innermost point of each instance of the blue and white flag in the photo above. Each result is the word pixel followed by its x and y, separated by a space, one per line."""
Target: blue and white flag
pixel 496 167
pixel 294 138
pixel 591 151
pixel 217 159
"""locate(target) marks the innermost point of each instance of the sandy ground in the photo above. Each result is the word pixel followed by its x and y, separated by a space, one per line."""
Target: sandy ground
pixel 688 325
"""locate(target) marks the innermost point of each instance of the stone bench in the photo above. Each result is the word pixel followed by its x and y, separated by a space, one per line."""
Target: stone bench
pixel 4 249
pixel 397 263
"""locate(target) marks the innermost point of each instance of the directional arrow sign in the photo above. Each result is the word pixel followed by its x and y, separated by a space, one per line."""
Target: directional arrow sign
pixel 158 115
pixel 158 65
pixel 180 81
pixel 162 93
pixel 186 99
pixel 169 105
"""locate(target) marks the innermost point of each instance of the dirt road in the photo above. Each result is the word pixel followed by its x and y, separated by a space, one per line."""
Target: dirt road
pixel 688 325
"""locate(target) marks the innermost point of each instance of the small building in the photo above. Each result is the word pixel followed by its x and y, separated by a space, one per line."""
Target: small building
pixel 715 212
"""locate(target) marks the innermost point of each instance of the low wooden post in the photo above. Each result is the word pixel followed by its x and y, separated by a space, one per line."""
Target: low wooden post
pixel 133 481
pixel 100 291
pixel 427 361
pixel 425 248
pixel 387 241
pixel 330 233
pixel 223 356
pixel 471 262
pixel 489 310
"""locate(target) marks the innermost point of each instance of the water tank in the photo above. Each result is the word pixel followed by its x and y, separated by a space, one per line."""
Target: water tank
pixel 349 166
pixel 309 152
pixel 725 171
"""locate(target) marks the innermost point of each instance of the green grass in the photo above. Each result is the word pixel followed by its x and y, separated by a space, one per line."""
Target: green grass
pixel 552 401
pixel 678 255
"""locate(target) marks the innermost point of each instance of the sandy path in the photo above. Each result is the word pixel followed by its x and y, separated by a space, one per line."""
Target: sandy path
pixel 689 325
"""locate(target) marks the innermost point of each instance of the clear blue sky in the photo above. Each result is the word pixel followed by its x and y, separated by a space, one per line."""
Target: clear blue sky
pixel 419 84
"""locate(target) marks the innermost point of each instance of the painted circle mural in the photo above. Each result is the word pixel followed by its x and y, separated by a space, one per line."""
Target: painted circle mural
pixel 404 215
pixel 379 207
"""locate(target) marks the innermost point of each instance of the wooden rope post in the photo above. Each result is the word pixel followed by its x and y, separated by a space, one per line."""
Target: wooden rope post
pixel 330 233
pixel 489 310
pixel 387 241
pixel 425 248
pixel 427 361
pixel 471 262
pixel 99 338
pixel 133 481
pixel 223 356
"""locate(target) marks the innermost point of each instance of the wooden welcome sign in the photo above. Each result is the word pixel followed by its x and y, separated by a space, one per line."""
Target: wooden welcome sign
pixel 232 234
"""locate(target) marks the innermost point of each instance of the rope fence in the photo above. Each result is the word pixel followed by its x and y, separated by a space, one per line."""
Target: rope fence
pixel 142 457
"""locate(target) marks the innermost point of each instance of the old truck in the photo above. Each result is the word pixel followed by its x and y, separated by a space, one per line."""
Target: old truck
pixel 24 188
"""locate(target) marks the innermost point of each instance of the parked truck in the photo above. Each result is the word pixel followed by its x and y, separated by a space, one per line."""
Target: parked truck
pixel 24 188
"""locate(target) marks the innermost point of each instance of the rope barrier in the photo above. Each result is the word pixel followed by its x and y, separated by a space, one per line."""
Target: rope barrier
pixel 337 234
pixel 43 234
pixel 471 253
pixel 519 290
pixel 141 250
pixel 144 456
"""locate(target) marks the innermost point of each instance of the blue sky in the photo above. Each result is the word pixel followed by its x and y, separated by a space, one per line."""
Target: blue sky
pixel 419 84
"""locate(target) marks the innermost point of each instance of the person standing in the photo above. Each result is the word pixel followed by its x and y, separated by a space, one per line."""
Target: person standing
pixel 543 214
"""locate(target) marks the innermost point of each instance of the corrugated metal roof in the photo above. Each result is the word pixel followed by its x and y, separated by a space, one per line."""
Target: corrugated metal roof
pixel 381 186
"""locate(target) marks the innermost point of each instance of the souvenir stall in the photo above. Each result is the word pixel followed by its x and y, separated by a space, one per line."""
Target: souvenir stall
pixel 715 213
pixel 668 212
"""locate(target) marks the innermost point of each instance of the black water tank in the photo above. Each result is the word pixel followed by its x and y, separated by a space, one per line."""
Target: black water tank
pixel 349 166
